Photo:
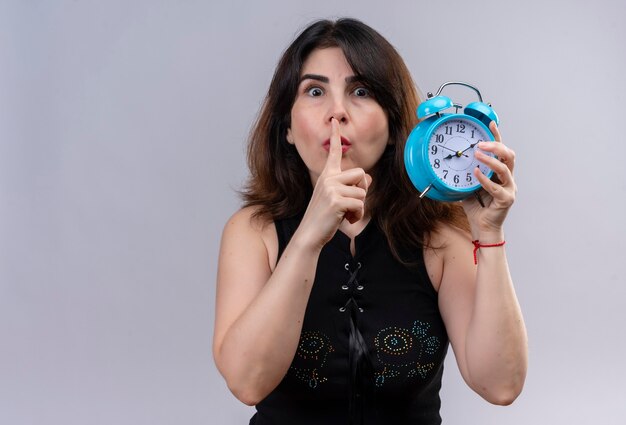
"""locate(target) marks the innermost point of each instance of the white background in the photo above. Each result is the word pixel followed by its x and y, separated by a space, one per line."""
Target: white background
pixel 122 141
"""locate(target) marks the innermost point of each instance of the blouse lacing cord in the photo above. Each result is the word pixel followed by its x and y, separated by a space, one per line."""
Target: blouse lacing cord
pixel 360 363
pixel 352 283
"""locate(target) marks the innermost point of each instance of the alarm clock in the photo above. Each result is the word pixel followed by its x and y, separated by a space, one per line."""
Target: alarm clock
pixel 439 152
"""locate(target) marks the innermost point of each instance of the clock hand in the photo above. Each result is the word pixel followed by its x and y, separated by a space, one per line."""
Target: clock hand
pixel 456 153
pixel 471 146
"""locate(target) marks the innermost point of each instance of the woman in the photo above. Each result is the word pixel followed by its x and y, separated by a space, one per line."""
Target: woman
pixel 338 288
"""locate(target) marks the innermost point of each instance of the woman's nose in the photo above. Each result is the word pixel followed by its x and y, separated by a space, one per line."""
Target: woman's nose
pixel 338 111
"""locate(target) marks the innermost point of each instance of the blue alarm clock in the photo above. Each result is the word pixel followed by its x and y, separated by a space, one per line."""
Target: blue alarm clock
pixel 439 153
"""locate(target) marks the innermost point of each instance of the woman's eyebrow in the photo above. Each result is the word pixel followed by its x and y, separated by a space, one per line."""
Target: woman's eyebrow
pixel 324 79
pixel 316 77
pixel 353 79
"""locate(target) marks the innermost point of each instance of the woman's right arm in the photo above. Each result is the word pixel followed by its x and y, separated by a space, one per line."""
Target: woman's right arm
pixel 259 314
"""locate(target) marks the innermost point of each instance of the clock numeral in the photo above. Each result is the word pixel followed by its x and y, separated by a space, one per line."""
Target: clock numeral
pixel 449 130
pixel 433 150
pixel 456 178
pixel 468 178
pixel 445 174
pixel 473 133
pixel 439 138
pixel 460 128
pixel 436 163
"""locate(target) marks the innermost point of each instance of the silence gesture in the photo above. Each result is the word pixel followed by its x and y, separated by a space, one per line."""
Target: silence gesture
pixel 338 194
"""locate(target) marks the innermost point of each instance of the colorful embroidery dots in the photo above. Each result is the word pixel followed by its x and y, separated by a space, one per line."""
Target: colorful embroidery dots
pixel 395 341
pixel 311 377
pixel 385 373
pixel 405 352
pixel 421 370
pixel 310 357
pixel 311 345
pixel 431 345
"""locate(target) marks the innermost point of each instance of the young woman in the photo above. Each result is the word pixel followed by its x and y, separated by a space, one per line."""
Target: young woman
pixel 338 288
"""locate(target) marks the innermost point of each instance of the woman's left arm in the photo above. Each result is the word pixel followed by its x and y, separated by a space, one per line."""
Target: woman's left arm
pixel 478 301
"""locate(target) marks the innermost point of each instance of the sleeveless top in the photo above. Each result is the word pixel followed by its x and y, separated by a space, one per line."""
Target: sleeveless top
pixel 372 345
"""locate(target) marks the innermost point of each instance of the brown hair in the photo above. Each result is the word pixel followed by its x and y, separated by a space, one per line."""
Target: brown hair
pixel 279 182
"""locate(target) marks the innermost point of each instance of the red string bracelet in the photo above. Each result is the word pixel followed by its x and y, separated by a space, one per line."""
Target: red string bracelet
pixel 477 245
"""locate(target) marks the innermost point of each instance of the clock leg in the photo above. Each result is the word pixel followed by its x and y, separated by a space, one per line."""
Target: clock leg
pixel 426 190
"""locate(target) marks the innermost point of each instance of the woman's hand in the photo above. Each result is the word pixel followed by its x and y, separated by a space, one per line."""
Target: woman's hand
pixel 497 194
pixel 337 195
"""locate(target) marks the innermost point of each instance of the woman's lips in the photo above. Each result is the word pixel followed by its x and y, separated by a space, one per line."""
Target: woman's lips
pixel 345 145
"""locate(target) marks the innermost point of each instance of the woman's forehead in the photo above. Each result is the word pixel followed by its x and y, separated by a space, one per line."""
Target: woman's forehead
pixel 326 60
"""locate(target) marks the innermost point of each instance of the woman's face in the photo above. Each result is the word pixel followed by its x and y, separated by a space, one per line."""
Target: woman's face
pixel 328 88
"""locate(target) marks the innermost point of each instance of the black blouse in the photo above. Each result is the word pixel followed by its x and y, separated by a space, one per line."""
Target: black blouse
pixel 372 345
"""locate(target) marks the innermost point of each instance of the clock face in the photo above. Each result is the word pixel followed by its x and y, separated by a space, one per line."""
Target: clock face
pixel 451 152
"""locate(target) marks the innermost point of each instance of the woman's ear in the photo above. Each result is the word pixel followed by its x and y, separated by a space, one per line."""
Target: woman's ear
pixel 289 137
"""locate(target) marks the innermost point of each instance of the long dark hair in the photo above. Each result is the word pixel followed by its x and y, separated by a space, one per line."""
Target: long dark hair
pixel 279 183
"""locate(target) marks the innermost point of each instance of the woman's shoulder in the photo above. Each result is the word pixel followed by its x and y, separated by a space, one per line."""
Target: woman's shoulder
pixel 249 227
pixel 249 221
pixel 247 218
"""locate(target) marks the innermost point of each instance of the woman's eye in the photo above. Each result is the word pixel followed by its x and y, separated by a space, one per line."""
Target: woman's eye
pixel 361 92
pixel 314 91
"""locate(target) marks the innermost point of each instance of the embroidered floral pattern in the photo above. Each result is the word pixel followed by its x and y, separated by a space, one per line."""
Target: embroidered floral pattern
pixel 405 352
pixel 310 358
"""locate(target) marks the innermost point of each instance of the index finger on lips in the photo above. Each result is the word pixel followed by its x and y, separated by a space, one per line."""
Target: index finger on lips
pixel 333 162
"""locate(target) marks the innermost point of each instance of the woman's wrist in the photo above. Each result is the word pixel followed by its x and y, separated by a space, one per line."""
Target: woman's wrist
pixel 489 237
pixel 301 242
